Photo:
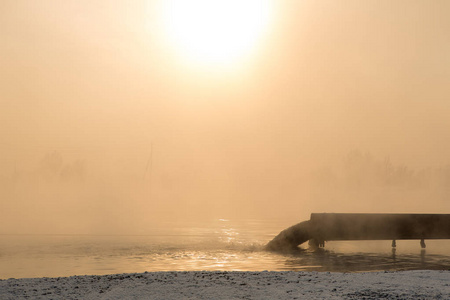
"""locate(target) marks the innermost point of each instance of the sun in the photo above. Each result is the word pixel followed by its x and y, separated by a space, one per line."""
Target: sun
pixel 217 32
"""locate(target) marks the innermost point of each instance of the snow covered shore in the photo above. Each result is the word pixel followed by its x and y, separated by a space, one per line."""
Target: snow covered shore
pixel 235 285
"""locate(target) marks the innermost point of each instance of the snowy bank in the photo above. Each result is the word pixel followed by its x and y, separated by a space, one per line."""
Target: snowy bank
pixel 235 285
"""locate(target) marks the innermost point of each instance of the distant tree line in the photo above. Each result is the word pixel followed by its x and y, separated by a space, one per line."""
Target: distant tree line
pixel 52 167
pixel 359 170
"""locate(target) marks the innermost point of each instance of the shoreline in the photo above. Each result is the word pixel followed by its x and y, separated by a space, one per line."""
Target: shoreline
pixel 423 284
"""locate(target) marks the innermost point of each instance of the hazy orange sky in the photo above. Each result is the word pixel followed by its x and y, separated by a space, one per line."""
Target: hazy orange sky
pixel 98 82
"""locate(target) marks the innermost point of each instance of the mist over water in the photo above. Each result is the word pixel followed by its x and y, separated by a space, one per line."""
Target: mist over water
pixel 342 107
pixel 61 196
pixel 216 245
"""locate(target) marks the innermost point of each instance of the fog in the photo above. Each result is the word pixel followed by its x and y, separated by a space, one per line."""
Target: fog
pixel 342 107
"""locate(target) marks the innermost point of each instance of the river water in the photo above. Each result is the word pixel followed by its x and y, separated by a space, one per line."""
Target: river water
pixel 233 245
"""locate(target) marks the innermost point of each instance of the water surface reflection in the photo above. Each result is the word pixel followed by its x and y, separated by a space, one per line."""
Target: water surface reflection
pixel 219 245
pixel 331 261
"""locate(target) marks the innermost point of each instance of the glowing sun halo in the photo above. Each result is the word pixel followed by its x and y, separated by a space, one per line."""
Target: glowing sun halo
pixel 215 31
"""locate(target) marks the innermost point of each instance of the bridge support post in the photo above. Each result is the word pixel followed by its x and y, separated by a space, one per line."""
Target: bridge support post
pixel 316 243
pixel 422 243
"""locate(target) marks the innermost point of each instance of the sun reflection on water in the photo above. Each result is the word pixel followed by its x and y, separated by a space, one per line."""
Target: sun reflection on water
pixel 224 245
